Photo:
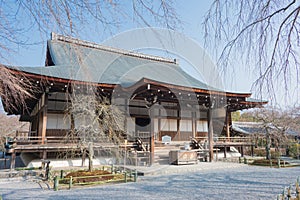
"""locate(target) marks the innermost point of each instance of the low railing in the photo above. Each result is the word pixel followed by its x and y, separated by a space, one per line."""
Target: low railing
pixel 227 139
pixel 142 134
pixel 23 140
pixel 116 175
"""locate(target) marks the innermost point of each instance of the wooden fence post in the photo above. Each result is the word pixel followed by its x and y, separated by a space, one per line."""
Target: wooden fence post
pixel 70 183
pixel 112 168
pixel 135 175
pixel 283 194
pixel 278 197
pixel 297 190
pixel 56 182
pixel 289 195
pixel 61 174
pixel 125 177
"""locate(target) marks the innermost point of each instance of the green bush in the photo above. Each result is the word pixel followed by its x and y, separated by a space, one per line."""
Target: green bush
pixel 261 152
pixel 294 150
pixel 275 154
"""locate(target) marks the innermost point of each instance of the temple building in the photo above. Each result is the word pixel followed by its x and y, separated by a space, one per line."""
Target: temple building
pixel 156 96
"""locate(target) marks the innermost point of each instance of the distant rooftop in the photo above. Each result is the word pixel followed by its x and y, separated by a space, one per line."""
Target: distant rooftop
pixel 255 128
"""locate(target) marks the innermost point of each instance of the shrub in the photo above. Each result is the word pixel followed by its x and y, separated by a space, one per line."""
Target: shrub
pixel 294 150
pixel 262 153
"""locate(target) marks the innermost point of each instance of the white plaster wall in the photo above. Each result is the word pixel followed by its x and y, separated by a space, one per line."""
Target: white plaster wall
pixel 168 124
pixel 58 121
pixel 202 126
pixel 186 125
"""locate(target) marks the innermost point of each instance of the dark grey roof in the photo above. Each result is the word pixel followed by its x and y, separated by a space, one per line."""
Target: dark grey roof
pixel 256 128
pixel 255 100
pixel 85 63
pixel 248 127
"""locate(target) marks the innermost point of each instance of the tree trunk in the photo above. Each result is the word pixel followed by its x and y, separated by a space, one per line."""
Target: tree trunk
pixel 268 145
pixel 91 155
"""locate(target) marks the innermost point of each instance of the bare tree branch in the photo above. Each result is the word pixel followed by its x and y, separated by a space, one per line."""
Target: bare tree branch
pixel 18 18
pixel 263 32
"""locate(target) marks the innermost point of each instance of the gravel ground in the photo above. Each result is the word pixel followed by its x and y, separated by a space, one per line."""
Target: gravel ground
pixel 240 182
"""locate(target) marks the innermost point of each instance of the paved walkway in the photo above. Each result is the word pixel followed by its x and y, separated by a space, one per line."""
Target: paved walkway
pixel 158 169
pixel 206 181
pixel 216 180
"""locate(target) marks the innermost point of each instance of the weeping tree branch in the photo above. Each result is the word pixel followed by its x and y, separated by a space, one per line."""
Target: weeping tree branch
pixel 264 33
pixel 96 123
pixel 21 18
pixel 15 89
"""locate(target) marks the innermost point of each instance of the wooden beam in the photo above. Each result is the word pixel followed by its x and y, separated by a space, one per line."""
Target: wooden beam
pixel 242 150
pixel 152 144
pixel 178 124
pixel 194 124
pixel 44 117
pixel 159 124
pixel 44 154
pixel 210 135
pixel 126 103
pixel 228 118
pixel 13 160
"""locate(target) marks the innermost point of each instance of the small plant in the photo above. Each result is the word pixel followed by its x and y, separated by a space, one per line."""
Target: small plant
pixel 87 176
pixel 260 152
pixel 294 150
pixel 265 162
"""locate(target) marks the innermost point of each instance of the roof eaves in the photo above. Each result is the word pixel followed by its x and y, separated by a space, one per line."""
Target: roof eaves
pixel 62 38
pixel 255 101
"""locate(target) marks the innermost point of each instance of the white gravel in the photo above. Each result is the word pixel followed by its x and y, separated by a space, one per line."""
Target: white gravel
pixel 238 182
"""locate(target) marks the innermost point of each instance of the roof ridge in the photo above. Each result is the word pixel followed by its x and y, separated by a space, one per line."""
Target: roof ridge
pixel 58 37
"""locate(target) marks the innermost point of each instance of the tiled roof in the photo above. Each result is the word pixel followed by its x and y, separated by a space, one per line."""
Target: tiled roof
pixel 255 128
pixel 90 63
pixel 248 127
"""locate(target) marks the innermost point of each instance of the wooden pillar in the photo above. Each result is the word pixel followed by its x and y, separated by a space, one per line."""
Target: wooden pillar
pixel 44 117
pixel 152 145
pixel 210 134
pixel 34 125
pixel 126 103
pixel 225 151
pixel 44 157
pixel 228 121
pixel 44 154
pixel 159 125
pixel 178 124
pixel 13 160
pixel 194 124
pixel 242 150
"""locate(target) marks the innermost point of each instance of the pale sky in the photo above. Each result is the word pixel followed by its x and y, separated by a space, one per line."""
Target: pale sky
pixel 190 13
